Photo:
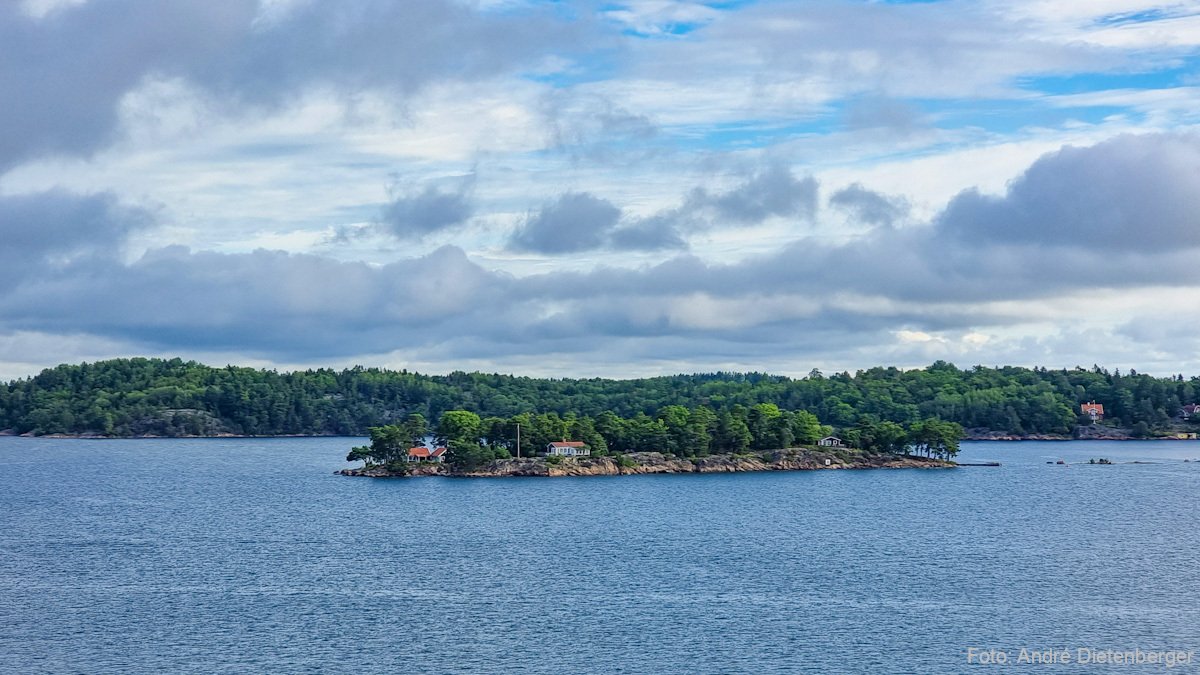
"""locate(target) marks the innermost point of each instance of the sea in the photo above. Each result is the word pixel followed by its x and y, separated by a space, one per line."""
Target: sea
pixel 251 556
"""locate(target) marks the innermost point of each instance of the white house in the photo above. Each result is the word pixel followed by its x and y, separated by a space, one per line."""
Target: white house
pixel 568 449
pixel 830 442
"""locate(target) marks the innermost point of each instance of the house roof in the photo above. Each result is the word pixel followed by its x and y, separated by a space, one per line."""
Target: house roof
pixel 568 444
pixel 1088 407
pixel 1191 408
pixel 418 452
pixel 437 452
pixel 829 438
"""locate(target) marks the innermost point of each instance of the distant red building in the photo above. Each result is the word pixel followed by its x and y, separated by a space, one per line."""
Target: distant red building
pixel 1093 410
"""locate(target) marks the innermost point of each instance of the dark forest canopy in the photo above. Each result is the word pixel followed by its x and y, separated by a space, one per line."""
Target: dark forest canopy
pixel 123 397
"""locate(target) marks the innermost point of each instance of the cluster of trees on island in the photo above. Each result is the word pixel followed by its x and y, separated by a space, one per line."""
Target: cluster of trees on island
pixel 472 440
pixel 126 397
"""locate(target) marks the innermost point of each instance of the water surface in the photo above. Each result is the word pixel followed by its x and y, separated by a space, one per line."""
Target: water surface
pixel 222 555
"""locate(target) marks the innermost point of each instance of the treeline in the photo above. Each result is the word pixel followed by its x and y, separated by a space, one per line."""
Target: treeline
pixel 685 432
pixel 138 396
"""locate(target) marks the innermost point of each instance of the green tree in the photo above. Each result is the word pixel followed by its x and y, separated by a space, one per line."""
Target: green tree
pixel 389 444
pixel 466 456
pixel 732 433
pixel 935 438
pixel 463 426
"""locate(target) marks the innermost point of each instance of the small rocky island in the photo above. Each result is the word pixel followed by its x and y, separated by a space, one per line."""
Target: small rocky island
pixel 678 441
pixel 794 459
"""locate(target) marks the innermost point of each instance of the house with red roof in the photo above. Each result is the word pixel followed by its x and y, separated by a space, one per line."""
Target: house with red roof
pixel 567 448
pixel 1093 410
pixel 1189 411
pixel 424 454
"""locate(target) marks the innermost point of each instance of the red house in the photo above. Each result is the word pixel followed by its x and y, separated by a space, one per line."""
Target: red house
pixel 424 454
pixel 1093 410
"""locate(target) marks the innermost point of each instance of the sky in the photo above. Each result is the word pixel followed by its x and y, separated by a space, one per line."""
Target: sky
pixel 610 188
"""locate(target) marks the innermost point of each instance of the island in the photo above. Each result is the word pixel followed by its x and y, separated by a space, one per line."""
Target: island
pixel 681 440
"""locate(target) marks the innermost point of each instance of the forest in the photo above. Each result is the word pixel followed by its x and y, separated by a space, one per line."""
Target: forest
pixel 173 397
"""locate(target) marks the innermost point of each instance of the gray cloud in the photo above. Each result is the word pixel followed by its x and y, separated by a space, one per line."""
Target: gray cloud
pixel 49 230
pixel 265 303
pixel 582 222
pixel 773 191
pixel 1117 231
pixel 576 221
pixel 412 216
pixel 70 69
pixel 869 206
pixel 811 295
pixel 655 233
pixel 1131 193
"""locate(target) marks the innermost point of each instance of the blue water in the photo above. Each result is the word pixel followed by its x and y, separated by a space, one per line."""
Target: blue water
pixel 250 556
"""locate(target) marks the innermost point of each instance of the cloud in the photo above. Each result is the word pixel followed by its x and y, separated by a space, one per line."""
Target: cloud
pixel 412 216
pixel 774 191
pixel 71 67
pixel 575 221
pixel 265 303
pixel 52 230
pixel 956 273
pixel 869 206
pixel 578 221
pixel 655 233
pixel 1130 193
pixel 949 287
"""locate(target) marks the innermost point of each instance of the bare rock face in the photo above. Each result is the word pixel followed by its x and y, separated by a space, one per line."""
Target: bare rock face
pixel 526 466
pixel 794 459
pixel 657 462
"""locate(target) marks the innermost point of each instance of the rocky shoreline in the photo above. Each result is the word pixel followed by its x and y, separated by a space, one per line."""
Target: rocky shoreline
pixel 797 459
